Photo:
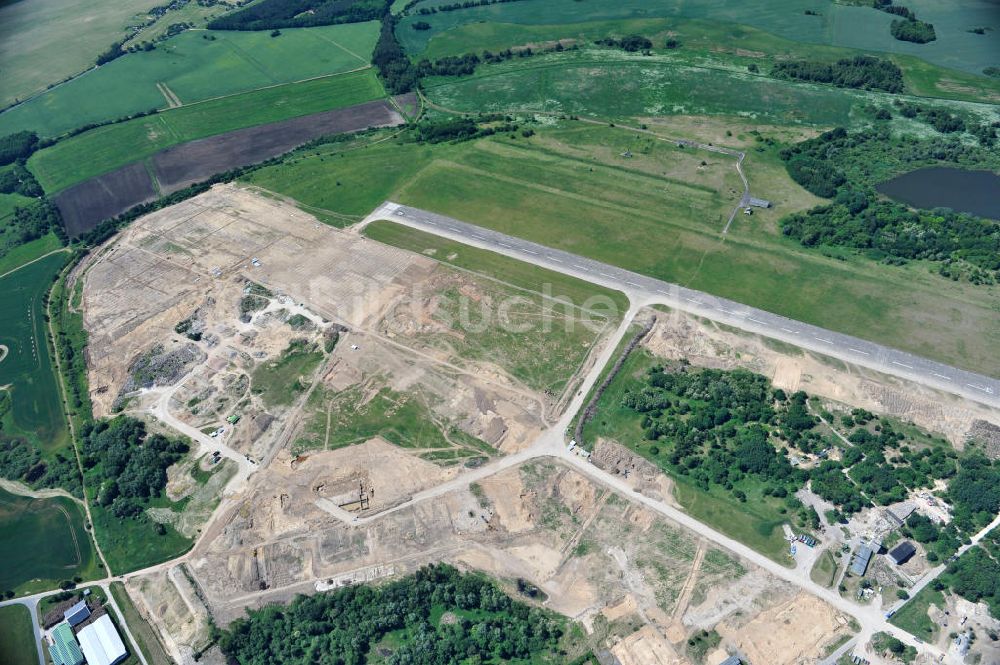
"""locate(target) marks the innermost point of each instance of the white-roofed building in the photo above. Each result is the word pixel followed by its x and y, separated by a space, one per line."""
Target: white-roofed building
pixel 101 644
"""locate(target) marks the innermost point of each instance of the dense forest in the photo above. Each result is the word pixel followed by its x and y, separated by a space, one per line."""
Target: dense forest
pixel 17 147
pixel 130 464
pixel 437 615
pixel 845 166
pixel 272 14
pixel 862 72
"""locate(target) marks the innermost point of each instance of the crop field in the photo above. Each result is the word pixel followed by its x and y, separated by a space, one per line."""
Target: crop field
pixel 194 66
pixel 835 24
pixel 21 254
pixel 36 410
pixel 106 148
pixel 42 542
pixel 661 214
pixel 17 636
pixel 44 41
pixel 612 84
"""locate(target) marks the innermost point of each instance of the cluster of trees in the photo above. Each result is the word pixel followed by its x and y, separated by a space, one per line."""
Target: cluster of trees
pixel 130 463
pixel 31 222
pixel 630 43
pixel 16 179
pixel 939 119
pixel 17 147
pixel 976 574
pixel 464 129
pixel 394 66
pixel 718 424
pixel 843 167
pixel 912 30
pixel 21 460
pixel 344 626
pixel 863 72
pixel 907 28
pixel 270 14
pixel 468 4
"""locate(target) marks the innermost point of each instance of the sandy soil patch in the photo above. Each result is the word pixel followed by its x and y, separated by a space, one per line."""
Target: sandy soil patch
pixel 790 633
pixel 646 647
pixel 705 344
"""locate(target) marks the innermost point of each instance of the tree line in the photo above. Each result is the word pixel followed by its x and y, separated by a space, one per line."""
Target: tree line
pixel 272 14
pixel 344 626
pixel 862 72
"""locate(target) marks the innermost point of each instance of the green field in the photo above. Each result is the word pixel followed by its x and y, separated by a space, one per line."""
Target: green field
pixel 17 636
pixel 36 409
pixel 45 41
pixel 107 148
pixel 913 617
pixel 42 542
pixel 824 571
pixel 710 45
pixel 192 68
pixel 612 85
pixel 130 544
pixel 21 254
pixel 836 25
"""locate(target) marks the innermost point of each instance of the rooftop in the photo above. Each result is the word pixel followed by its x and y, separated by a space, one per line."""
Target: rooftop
pixel 101 643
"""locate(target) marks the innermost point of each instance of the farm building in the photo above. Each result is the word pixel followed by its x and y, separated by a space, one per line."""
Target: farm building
pixel 862 557
pixel 64 649
pixel 77 614
pixel 101 643
pixel 759 203
pixel 901 553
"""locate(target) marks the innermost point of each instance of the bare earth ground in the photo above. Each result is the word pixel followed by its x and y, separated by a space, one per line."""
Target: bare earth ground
pixel 678 335
pixel 289 522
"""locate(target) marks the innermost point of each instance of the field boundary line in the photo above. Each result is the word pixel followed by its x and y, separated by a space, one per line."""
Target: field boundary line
pixel 28 263
pixel 340 46
pixel 275 85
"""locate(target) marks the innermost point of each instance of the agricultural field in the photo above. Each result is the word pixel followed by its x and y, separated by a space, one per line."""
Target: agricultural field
pixel 43 542
pixel 45 41
pixel 609 207
pixel 17 636
pixel 106 148
pixel 832 24
pixel 27 372
pixel 194 66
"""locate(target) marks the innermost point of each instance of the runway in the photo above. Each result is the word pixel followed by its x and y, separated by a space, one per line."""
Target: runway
pixel 644 290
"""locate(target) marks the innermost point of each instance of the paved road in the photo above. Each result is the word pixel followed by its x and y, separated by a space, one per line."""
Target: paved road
pixel 648 291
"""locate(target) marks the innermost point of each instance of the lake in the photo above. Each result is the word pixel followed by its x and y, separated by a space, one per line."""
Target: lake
pixel 975 192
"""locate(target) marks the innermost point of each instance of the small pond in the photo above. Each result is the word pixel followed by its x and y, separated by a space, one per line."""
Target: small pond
pixel 975 192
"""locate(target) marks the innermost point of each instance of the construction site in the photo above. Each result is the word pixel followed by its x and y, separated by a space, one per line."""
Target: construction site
pixel 374 431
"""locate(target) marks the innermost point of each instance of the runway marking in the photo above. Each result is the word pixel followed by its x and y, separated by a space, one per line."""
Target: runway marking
pixel 478 237
pixel 827 341
pixel 750 318
pixel 896 362
pixel 552 258
pixel 528 251
pixel 988 391
pixel 865 353
pixel 789 330
pixel 604 274
pixel 632 284
pixel 942 376
pixel 663 292
pixel 452 228
pixel 428 222
pixel 502 244
pixel 579 267
pixel 696 302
